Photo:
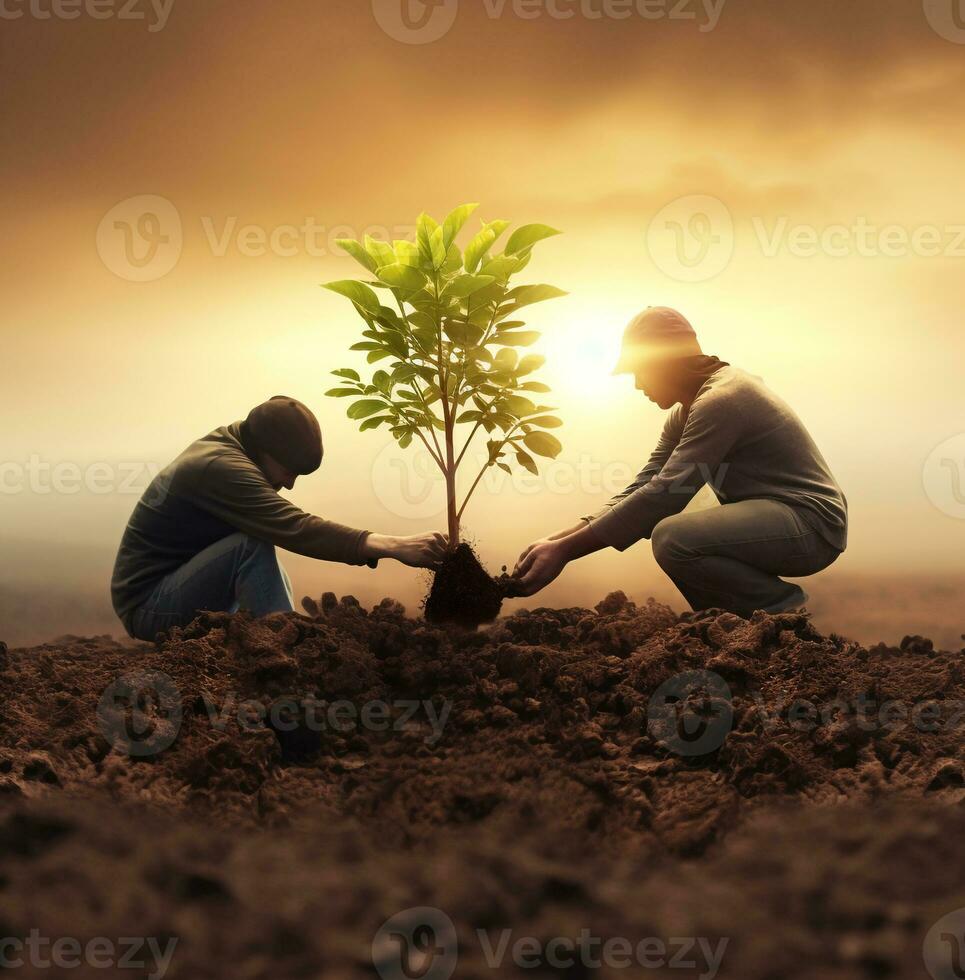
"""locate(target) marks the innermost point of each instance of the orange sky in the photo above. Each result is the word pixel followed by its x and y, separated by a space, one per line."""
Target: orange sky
pixel 802 130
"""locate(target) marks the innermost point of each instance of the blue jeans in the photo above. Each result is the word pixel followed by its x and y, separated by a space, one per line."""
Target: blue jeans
pixel 234 573
pixel 732 557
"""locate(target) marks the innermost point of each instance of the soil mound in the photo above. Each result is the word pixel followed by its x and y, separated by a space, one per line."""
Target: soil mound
pixel 551 773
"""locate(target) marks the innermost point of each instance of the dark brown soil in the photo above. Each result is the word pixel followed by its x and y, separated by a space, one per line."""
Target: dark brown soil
pixel 463 593
pixel 537 788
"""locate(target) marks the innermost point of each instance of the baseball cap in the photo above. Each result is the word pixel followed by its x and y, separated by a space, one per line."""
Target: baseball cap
pixel 657 333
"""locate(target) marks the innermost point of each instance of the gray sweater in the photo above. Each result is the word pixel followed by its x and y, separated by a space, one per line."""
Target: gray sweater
pixel 745 442
pixel 212 490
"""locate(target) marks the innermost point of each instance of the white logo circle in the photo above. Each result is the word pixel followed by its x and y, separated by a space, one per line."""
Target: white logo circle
pixel 944 947
pixel 140 238
pixel 943 476
pixel 692 238
pixel 947 19
pixel 416 21
pixel 408 483
pixel 418 942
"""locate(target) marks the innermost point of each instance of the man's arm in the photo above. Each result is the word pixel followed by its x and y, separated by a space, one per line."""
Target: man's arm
pixel 579 541
pixel 239 495
pixel 712 429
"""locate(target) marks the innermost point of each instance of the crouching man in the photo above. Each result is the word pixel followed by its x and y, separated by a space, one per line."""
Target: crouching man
pixel 204 534
pixel 783 512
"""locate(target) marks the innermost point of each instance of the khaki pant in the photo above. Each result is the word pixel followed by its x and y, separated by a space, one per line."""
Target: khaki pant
pixel 732 556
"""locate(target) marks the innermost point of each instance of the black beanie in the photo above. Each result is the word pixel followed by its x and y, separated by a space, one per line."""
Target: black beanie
pixel 287 430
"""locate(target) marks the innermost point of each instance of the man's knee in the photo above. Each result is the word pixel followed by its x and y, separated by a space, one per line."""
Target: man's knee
pixel 669 541
pixel 253 549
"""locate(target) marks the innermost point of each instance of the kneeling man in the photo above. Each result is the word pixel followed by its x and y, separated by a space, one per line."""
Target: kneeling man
pixel 204 534
pixel 783 512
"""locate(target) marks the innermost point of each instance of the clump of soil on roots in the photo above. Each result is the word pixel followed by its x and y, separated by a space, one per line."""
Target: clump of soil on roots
pixel 463 593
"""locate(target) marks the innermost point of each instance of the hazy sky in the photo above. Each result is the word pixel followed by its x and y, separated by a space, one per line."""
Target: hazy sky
pixel 789 175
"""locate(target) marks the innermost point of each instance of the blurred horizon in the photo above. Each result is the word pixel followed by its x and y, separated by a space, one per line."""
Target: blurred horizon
pixel 789 179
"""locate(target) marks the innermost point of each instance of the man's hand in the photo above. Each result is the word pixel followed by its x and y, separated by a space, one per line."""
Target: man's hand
pixel 544 560
pixel 541 563
pixel 417 551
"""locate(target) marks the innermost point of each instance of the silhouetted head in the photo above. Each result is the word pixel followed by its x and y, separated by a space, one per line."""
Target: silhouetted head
pixel 286 440
pixel 659 346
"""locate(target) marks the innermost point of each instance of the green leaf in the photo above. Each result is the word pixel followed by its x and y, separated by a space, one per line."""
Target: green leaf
pixel 546 422
pixel 519 338
pixel 365 408
pixel 543 444
pixel 382 252
pixel 535 386
pixel 520 406
pixel 374 423
pixel 366 345
pixel 357 292
pixel 425 227
pixel 530 363
pixel 377 355
pixel 406 252
pixel 477 248
pixel 357 252
pixel 527 295
pixel 341 392
pixel 347 373
pixel 504 467
pixel 438 248
pixel 527 236
pixel 463 286
pixel 453 261
pixel 402 277
pixel 505 359
pixel 501 267
pixel 527 461
pixel 455 221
